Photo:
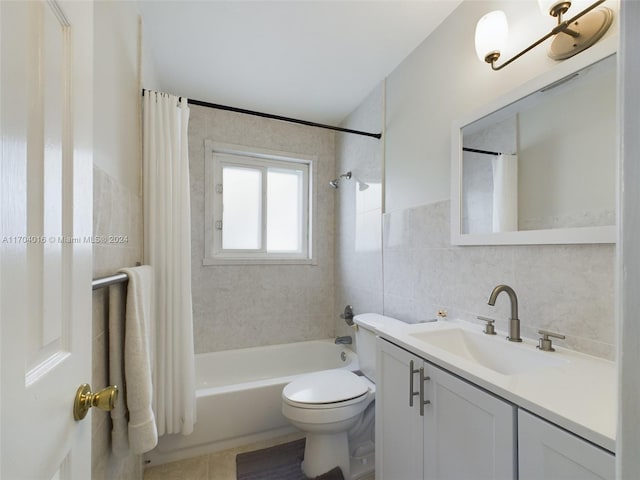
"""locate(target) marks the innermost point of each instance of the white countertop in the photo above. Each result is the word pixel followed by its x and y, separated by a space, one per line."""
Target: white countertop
pixel 580 395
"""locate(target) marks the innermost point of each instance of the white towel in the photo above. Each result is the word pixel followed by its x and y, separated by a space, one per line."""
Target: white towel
pixel 119 436
pixel 143 433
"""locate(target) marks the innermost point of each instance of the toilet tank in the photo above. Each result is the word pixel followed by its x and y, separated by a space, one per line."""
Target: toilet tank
pixel 366 333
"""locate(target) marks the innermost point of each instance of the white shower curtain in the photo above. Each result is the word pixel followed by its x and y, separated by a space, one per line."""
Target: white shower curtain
pixel 505 192
pixel 167 248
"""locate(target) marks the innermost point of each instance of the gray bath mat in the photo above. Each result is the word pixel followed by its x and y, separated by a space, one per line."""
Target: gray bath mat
pixel 281 462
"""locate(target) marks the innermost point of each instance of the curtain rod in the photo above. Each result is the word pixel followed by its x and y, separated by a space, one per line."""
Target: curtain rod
pixel 485 152
pixel 217 106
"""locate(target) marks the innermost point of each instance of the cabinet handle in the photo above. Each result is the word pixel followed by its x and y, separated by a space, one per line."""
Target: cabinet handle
pixel 423 402
pixel 412 394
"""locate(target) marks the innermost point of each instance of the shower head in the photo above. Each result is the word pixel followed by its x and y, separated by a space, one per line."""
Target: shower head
pixel 336 181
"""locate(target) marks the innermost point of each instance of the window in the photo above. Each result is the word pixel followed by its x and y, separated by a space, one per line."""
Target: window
pixel 257 206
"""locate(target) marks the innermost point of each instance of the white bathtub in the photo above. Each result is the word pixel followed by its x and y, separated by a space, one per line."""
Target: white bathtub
pixel 238 395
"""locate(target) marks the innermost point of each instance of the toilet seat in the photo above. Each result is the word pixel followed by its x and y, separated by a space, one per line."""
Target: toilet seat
pixel 326 389
pixel 325 406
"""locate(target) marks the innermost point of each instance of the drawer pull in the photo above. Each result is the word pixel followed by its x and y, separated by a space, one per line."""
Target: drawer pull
pixel 412 372
pixel 423 402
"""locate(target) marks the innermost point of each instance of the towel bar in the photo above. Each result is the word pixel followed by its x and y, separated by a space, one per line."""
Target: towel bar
pixel 109 280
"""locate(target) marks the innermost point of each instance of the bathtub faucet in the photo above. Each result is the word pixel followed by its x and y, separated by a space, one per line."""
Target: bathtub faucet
pixel 346 340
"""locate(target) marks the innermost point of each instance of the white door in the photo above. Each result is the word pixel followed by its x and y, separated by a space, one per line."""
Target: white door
pixel 46 108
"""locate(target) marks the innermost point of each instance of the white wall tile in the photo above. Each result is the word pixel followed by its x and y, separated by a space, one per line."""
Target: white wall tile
pixel 244 306
pixel 568 289
pixel 358 258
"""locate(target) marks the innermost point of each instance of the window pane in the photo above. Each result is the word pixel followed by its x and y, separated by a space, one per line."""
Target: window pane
pixel 242 208
pixel 284 210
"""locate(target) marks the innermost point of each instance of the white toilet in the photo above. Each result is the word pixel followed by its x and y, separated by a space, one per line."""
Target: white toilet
pixel 336 411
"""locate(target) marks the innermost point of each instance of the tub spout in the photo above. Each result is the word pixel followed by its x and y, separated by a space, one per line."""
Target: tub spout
pixel 346 340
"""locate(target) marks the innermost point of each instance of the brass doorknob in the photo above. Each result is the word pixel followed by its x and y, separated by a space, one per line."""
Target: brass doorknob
pixel 105 399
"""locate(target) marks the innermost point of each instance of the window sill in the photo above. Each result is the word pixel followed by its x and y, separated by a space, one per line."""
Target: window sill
pixel 209 262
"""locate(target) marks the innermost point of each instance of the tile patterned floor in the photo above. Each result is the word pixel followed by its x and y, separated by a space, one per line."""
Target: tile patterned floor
pixel 216 466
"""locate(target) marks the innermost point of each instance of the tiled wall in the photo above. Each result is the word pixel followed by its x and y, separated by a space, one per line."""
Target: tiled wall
pixel 358 262
pixel 567 289
pixel 412 270
pixel 117 202
pixel 117 211
pixel 244 306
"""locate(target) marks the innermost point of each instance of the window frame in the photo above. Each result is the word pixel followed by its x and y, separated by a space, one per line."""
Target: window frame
pixel 218 155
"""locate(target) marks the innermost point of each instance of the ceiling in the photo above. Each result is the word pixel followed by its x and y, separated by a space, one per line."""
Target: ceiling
pixel 312 60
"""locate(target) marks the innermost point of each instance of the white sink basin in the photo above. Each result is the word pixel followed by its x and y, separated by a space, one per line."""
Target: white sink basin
pixel 492 352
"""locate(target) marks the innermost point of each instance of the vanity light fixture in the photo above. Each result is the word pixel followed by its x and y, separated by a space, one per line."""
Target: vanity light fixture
pixel 571 36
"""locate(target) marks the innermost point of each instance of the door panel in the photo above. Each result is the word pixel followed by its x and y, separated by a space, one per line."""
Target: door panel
pixel 471 433
pixel 46 251
pixel 548 452
pixel 48 124
pixel 399 429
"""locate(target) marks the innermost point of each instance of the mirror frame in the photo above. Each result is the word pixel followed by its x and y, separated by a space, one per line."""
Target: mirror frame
pixel 578 235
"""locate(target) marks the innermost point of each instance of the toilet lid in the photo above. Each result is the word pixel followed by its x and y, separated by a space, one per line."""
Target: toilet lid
pixel 328 386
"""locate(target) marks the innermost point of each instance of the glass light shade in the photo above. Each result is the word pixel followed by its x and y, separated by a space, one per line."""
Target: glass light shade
pixel 491 33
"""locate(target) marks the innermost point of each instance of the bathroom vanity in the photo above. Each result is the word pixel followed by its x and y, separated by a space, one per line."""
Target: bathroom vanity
pixel 455 403
pixel 443 434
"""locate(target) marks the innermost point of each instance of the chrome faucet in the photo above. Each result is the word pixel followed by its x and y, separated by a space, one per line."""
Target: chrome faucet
pixel 514 321
pixel 346 340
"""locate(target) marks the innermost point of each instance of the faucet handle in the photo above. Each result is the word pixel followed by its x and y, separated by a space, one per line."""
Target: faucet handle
pixel 489 329
pixel 348 315
pixel 544 342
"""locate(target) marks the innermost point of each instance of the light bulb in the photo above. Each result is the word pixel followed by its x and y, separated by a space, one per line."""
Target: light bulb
pixel 491 33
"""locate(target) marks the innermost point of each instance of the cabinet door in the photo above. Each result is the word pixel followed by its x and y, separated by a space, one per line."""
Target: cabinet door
pixel 470 434
pixel 398 425
pixel 548 452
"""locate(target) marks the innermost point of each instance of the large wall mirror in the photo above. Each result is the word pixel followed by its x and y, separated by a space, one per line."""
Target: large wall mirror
pixel 540 169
